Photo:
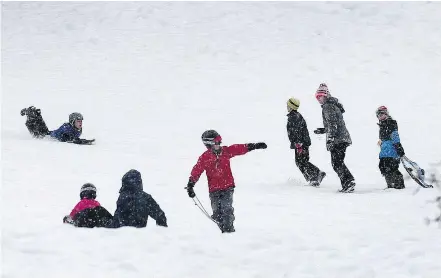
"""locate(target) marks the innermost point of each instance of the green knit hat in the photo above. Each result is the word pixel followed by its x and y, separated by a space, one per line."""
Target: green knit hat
pixel 293 104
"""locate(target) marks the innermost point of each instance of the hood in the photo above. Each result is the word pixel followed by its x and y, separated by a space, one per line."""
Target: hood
pixel 334 101
pixel 388 121
pixel 131 182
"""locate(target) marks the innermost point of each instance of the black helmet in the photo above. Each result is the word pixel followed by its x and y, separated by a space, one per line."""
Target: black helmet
pixel 88 191
pixel 211 137
pixel 75 116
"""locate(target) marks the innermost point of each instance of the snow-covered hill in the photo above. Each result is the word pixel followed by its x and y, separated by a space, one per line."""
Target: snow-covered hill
pixel 150 77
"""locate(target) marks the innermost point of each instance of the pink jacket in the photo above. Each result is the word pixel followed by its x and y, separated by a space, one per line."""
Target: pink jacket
pixel 82 205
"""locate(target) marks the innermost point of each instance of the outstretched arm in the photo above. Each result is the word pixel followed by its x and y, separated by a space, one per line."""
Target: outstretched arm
pixel 241 149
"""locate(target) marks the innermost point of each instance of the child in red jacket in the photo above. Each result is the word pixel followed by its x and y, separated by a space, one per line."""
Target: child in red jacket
pixel 216 163
pixel 88 212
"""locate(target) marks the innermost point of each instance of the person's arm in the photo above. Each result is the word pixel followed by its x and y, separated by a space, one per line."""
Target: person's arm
pixel 330 116
pixel 395 137
pixel 155 212
pixel 196 173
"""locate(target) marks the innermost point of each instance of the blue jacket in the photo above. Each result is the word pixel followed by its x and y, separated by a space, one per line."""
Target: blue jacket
pixel 134 206
pixel 390 139
pixel 66 132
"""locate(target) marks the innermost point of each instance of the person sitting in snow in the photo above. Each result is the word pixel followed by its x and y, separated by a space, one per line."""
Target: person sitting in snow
pixel 88 212
pixel 134 206
pixel 68 132
pixel 215 161
pixel 391 149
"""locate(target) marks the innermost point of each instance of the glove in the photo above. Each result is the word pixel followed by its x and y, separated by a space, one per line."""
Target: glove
pixel 190 190
pixel 161 221
pixel 255 146
pixel 299 148
pixel 400 150
pixel 80 141
pixel 68 219
pixel 330 143
pixel 162 224
pixel 320 130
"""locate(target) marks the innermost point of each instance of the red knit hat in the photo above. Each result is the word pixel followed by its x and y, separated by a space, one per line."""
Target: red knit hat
pixel 322 91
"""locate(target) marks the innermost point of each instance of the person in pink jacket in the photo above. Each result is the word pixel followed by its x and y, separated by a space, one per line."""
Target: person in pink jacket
pixel 216 164
pixel 88 212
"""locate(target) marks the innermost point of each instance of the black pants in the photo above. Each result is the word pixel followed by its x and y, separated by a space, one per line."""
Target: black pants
pixel 309 170
pixel 338 153
pixel 223 211
pixel 34 122
pixel 389 169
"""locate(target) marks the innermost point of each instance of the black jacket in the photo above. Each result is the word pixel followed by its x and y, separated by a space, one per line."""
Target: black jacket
pixel 93 217
pixel 297 129
pixel 134 206
pixel 386 128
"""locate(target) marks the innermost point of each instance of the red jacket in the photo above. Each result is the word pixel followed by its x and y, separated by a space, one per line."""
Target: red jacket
pixel 82 205
pixel 217 167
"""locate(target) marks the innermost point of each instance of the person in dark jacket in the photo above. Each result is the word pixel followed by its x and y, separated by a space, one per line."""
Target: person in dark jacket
pixel 391 149
pixel 134 206
pixel 215 161
pixel 88 213
pixel 337 136
pixel 68 132
pixel 298 135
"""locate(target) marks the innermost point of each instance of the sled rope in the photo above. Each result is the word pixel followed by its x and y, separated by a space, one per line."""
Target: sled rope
pixel 201 207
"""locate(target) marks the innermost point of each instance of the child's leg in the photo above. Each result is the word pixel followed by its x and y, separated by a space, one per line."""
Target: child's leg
pixel 35 123
pixel 223 211
pixel 389 169
pixel 397 177
pixel 309 170
pixel 228 210
pixel 215 206
pixel 338 154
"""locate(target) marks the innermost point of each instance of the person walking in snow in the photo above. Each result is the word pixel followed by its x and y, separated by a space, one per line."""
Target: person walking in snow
pixel 337 136
pixel 68 132
pixel 215 161
pixel 298 135
pixel 391 149
pixel 134 206
pixel 88 212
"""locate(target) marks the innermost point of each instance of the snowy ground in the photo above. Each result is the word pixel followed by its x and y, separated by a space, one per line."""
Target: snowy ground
pixel 149 78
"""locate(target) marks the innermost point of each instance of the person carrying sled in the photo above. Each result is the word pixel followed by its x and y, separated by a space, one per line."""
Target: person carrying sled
pixel 216 164
pixel 88 212
pixel 391 149
pixel 337 135
pixel 68 132
pixel 134 206
pixel 298 135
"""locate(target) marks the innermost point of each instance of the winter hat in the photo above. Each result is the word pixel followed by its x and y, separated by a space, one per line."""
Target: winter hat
pixel 131 181
pixel 211 137
pixel 322 91
pixel 75 116
pixel 293 104
pixel 88 191
pixel 382 110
